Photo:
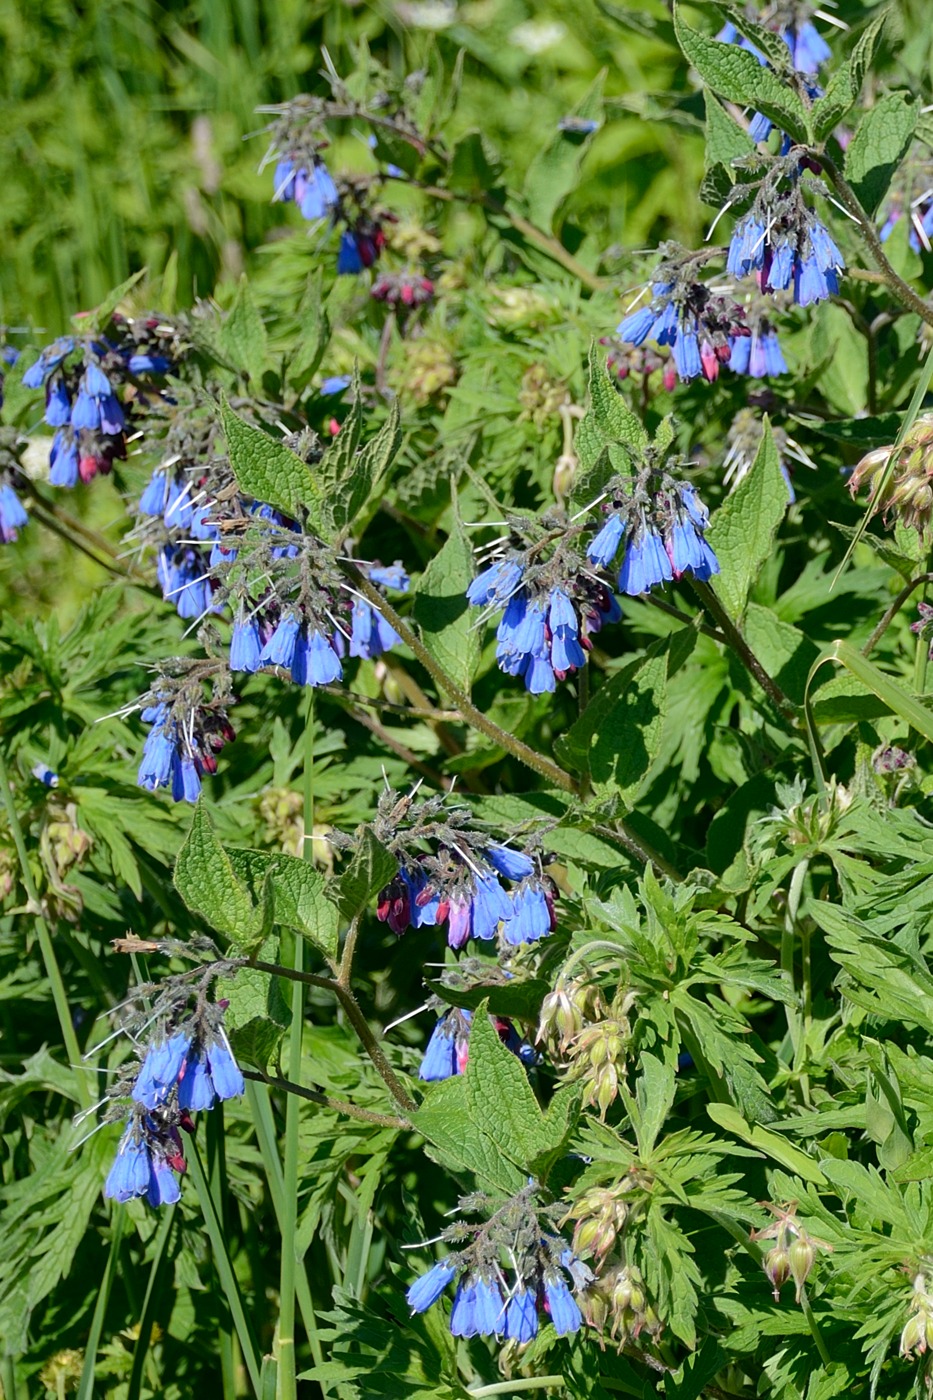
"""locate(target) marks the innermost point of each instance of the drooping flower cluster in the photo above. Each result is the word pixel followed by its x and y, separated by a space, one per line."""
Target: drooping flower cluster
pixel 698 325
pixel 659 524
pixel 188 730
pixel 552 603
pixel 305 180
pixel 82 376
pixel 592 1039
pixel 451 872
pixel 513 1269
pixel 780 239
pixel 187 1068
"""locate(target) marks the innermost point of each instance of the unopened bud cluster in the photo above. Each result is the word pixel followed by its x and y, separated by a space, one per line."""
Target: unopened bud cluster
pixel 592 1038
pixel 793 1252
pixel 917 1333
pixel 618 1300
pixel 905 492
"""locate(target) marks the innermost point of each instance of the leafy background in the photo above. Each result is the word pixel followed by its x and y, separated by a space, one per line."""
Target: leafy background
pixel 123 145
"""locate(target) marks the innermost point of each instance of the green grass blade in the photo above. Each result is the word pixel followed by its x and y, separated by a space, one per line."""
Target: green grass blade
pixel 86 1386
pixel 224 1269
pixel 147 1316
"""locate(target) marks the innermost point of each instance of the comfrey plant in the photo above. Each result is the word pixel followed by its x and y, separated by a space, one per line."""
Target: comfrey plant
pixel 592 957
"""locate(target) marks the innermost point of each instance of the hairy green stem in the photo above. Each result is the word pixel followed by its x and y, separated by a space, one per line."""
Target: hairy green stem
pixel 530 757
pixel 44 934
pixel 373 1049
pixel 897 286
pixel 351 1110
pixel 640 849
pixel 744 652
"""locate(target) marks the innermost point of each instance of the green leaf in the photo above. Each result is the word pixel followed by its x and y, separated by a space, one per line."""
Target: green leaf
pixel 725 139
pixel 445 619
pixel 736 75
pixel 89 322
pixel 475 165
pixel 654 1097
pixel 553 172
pixel 501 1102
pixel 207 882
pixel 242 335
pixel 838 98
pixel 257 1015
pixel 520 1001
pixel 742 531
pixel 347 476
pixel 864 51
pixel 771 1144
pixel 269 471
pixel 765 40
pixel 880 143
pixel 612 415
pixel 313 333
pixel 371 867
pixel 618 736
pixel 444 1121
pixel 297 890
pixel 889 691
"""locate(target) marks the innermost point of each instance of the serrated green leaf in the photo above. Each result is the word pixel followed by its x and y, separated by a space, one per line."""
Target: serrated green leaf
pixel 444 1121
pixel 725 139
pixel 736 75
pixel 347 475
pixel 88 322
pixel 518 1000
pixel 297 889
pixel 864 51
pixel 611 414
pixel 501 1102
pixel 206 880
pixel 553 172
pixel 840 95
pixel 371 867
pixel 313 333
pixel 618 736
pixel 742 531
pixel 880 143
pixel 765 40
pixel 257 1014
pixel 446 620
pixel 242 335
pixel 269 471
pixel 475 165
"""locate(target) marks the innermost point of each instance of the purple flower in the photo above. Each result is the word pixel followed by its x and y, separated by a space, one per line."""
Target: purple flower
pixel 532 913
pixel 210 1074
pixel 514 865
pixel 154 497
pixel 495 584
pixel 644 564
pixel 245 646
pixel 604 546
pixel 280 648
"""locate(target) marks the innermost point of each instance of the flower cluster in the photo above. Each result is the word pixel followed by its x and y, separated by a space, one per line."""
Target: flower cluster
pixel 793 1252
pixel 451 873
pixel 187 1069
pixel 592 1038
pixel 661 531
pixel 513 1268
pixel 699 326
pixel 188 731
pixel 305 180
pixel 403 289
pixel 552 604
pixel 81 377
pixel 780 240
